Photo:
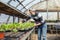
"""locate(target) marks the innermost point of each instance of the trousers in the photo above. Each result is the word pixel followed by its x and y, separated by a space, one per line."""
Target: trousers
pixel 42 32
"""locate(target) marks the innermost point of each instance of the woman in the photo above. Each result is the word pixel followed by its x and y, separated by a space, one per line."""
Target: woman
pixel 42 27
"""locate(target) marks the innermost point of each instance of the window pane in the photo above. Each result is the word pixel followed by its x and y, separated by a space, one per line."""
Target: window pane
pixel 16 19
pixel 14 3
pixel 41 0
pixel 44 14
pixel 52 16
pixel 5 1
pixel 11 19
pixel 23 10
pixel 21 0
pixel 32 3
pixel 20 7
pixel 3 18
pixel 26 2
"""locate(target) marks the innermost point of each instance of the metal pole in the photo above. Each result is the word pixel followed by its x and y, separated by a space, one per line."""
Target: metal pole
pixel 8 19
pixel 57 15
pixel 18 19
pixel 47 7
pixel 13 18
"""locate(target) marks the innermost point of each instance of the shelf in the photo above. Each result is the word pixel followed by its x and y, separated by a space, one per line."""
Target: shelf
pixel 9 10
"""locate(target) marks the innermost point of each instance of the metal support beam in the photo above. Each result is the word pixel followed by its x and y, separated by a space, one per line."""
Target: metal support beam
pixel 19 3
pixel 47 8
pixel 35 4
pixel 13 18
pixel 57 15
pixel 8 19
pixel 18 19
pixel 28 4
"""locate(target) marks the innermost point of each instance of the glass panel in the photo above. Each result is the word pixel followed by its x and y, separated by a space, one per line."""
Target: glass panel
pixel 23 10
pixel 14 3
pixel 3 18
pixel 11 19
pixel 5 1
pixel 52 16
pixel 26 2
pixel 21 0
pixel 32 3
pixel 16 19
pixel 44 14
pixel 29 6
pixel 19 7
pixel 41 0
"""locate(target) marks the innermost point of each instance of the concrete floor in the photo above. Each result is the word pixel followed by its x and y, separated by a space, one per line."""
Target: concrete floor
pixel 53 36
pixel 49 37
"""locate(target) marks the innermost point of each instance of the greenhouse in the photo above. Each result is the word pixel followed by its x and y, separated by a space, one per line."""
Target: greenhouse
pixel 29 19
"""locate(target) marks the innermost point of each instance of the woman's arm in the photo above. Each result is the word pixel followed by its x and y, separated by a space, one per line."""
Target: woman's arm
pixel 37 24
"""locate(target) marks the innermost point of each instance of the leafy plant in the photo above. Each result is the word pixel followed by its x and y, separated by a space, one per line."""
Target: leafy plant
pixel 15 30
pixel 15 26
pixel 26 25
pixel 1 29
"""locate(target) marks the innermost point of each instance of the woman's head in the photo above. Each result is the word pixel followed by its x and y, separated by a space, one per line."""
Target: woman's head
pixel 32 12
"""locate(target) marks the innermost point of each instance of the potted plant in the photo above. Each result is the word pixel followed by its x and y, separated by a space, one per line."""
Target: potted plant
pixel 1 32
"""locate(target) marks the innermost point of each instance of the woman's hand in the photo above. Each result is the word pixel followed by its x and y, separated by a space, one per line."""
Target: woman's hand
pixel 31 20
pixel 37 24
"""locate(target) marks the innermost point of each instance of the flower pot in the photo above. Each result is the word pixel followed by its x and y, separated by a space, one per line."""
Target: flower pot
pixel 1 35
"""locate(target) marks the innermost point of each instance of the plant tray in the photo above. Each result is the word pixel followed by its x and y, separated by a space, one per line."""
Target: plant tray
pixel 26 30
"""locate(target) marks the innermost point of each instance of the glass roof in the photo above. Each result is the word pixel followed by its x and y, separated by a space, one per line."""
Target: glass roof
pixel 51 5
pixel 21 5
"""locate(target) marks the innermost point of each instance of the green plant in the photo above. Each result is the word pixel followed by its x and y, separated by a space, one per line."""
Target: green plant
pixel 15 30
pixel 15 26
pixel 26 25
pixel 1 28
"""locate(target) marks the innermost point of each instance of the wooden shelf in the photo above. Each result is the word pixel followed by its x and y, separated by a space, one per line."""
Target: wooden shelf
pixel 9 10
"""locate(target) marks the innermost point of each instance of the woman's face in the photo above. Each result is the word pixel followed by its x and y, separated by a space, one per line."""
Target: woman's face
pixel 32 12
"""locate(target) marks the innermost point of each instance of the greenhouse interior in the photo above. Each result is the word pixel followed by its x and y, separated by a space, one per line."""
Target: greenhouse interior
pixel 29 19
